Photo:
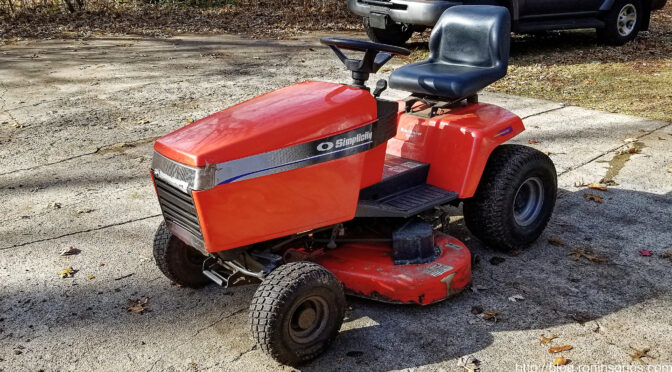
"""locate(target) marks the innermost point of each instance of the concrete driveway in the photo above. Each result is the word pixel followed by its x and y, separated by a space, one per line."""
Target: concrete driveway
pixel 77 122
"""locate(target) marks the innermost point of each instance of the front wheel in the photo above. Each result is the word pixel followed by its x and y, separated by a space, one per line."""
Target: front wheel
pixel 297 312
pixel 515 198
pixel 622 22
pixel 179 262
pixel 392 34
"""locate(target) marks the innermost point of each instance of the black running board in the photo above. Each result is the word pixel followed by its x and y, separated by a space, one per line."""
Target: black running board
pixel 406 203
pixel 561 24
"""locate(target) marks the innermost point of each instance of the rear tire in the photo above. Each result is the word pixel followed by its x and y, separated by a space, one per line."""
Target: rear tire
pixel 515 198
pixel 393 34
pixel 179 262
pixel 297 312
pixel 622 22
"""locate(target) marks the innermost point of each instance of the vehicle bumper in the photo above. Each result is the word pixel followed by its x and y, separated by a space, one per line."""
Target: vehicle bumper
pixel 414 12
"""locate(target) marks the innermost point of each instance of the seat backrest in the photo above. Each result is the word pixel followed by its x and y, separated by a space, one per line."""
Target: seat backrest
pixel 472 35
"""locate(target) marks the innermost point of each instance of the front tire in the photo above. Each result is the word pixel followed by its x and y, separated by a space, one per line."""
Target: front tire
pixel 622 22
pixel 393 34
pixel 515 198
pixel 179 262
pixel 296 312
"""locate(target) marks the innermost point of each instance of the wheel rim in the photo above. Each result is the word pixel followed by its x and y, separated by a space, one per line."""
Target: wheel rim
pixel 308 319
pixel 528 201
pixel 627 18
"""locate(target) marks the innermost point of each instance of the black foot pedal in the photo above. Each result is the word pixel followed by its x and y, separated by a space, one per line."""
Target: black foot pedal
pixel 406 203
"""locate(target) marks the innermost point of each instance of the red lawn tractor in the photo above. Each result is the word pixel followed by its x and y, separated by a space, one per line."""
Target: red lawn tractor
pixel 320 189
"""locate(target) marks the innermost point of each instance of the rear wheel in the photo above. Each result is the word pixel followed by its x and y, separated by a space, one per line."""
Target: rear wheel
pixel 622 22
pixel 514 199
pixel 392 34
pixel 177 261
pixel 296 312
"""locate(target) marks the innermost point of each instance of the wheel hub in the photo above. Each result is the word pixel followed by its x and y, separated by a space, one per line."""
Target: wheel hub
pixel 308 319
pixel 528 201
pixel 627 18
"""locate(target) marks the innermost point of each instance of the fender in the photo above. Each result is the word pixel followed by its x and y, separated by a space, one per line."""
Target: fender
pixel 457 144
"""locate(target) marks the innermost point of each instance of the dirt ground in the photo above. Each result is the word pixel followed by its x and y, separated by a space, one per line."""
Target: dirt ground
pixel 77 122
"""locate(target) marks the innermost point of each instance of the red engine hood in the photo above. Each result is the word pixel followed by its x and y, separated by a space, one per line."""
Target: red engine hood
pixel 295 114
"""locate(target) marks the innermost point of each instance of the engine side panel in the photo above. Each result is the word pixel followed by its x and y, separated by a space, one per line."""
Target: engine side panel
pixel 249 211
pixel 456 144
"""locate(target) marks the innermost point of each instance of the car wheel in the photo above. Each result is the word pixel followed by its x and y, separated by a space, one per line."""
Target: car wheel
pixel 179 262
pixel 297 312
pixel 393 34
pixel 622 22
pixel 514 199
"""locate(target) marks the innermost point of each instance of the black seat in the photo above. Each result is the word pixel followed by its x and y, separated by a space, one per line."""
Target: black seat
pixel 469 50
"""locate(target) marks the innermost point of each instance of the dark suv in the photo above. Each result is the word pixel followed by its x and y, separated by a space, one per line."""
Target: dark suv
pixel 616 21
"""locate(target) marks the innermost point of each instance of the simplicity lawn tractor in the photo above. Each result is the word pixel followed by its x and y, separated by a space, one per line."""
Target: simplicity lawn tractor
pixel 320 189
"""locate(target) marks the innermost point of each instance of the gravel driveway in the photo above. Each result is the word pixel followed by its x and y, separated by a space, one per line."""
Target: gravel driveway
pixel 77 122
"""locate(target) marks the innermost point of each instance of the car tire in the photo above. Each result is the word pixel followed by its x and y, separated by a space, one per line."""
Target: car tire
pixel 622 22
pixel 179 262
pixel 297 312
pixel 393 34
pixel 514 199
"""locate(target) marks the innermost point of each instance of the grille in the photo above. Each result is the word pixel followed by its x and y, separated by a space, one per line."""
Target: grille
pixel 178 207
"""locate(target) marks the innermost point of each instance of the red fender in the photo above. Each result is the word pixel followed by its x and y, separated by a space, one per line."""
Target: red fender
pixel 456 144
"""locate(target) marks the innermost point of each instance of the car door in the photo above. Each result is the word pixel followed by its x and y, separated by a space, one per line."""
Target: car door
pixel 541 8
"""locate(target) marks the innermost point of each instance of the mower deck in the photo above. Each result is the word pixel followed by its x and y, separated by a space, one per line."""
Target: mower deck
pixel 367 270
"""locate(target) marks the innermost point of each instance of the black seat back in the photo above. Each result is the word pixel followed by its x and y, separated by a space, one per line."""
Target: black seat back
pixel 472 35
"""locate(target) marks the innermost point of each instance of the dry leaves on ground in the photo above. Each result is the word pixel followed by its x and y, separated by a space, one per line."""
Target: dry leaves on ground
pixel 598 186
pixel 577 253
pixel 70 251
pixel 593 197
pixel 554 240
pixel 639 354
pixel 533 142
pixel 559 349
pixel 68 272
pixel 560 361
pixel 137 306
pixel 545 340
pixel 489 315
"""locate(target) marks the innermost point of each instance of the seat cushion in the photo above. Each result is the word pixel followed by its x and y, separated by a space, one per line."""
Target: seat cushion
pixel 444 80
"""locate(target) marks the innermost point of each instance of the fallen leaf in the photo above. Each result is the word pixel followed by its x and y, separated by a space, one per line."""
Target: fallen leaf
pixel 70 251
pixel 469 363
pixel 662 139
pixel 137 306
pixel 554 240
pixel 669 169
pixel 639 354
pixel 516 298
pixel 142 121
pixel 533 142
pixel 560 361
pixel 101 264
pixel 559 349
pixel 598 186
pixel 593 197
pixel 545 340
pixel 667 254
pixel 90 277
pixel 577 253
pixel 189 120
pixel 608 182
pixel 645 253
pixel 489 314
pixel 580 184
pixel 68 272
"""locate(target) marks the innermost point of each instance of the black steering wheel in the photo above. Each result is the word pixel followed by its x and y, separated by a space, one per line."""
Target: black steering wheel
pixel 375 56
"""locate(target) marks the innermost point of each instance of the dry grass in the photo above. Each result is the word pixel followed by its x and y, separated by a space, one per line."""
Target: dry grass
pixel 573 68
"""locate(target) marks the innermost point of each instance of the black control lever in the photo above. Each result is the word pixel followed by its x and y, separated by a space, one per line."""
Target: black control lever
pixel 381 85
